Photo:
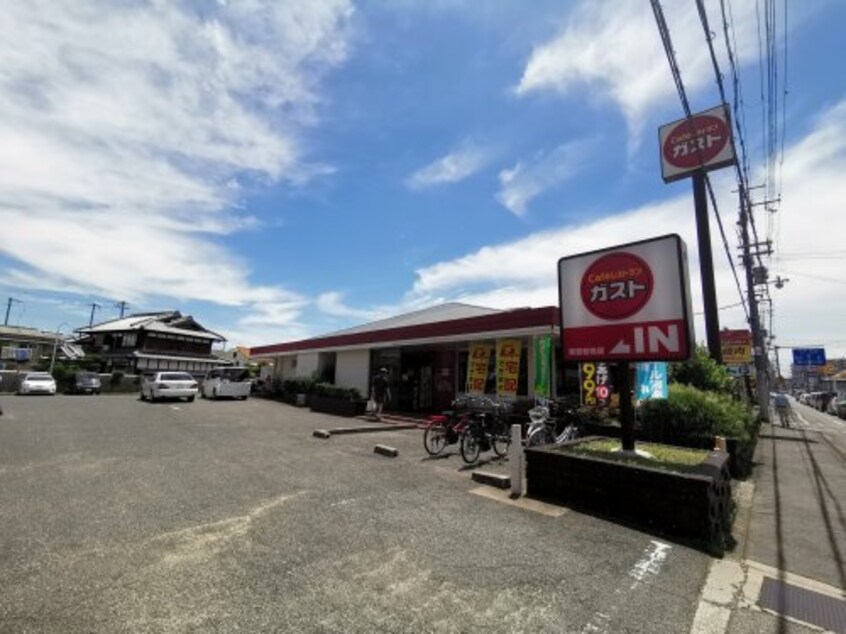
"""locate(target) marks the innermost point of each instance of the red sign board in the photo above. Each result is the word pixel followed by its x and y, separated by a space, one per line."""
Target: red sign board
pixel 702 142
pixel 628 303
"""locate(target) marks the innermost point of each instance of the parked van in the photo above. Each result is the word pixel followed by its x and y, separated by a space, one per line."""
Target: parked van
pixel 226 382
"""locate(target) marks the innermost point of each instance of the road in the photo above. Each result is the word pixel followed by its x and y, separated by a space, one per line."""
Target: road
pixel 123 516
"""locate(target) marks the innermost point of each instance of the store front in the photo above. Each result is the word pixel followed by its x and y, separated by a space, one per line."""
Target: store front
pixel 428 356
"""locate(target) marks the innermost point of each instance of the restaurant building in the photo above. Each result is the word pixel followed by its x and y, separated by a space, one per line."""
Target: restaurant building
pixel 428 353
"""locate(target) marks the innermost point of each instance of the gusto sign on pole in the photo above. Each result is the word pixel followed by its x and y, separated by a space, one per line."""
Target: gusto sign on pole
pixel 627 303
pixel 702 142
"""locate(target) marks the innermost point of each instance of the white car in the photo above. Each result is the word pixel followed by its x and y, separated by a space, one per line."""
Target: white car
pixel 227 382
pixel 37 383
pixel 168 385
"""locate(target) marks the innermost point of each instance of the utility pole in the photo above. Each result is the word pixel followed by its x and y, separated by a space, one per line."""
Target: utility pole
pixel 754 318
pixel 94 306
pixel 11 301
pixel 123 306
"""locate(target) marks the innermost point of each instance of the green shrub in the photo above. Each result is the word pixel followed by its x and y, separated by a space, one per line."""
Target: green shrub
pixel 64 376
pixel 690 416
pixel 115 379
pixel 328 390
pixel 702 372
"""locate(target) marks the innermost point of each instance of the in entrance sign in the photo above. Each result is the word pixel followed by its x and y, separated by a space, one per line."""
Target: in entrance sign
pixel 627 303
pixel 703 142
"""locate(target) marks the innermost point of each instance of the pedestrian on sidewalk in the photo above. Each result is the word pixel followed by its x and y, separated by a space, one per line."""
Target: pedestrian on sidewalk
pixel 782 405
pixel 380 392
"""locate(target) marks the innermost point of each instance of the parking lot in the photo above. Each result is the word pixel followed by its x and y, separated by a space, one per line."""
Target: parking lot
pixel 122 515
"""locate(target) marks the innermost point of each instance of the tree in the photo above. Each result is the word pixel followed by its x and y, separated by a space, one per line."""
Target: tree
pixel 702 372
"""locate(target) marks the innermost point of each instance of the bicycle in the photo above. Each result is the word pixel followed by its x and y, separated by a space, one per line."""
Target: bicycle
pixel 542 428
pixel 486 430
pixel 445 429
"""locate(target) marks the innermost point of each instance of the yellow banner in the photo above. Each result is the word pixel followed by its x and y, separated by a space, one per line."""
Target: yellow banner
pixel 507 366
pixel 477 367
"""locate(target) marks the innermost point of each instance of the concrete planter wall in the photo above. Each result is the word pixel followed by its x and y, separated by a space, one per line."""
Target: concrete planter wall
pixel 740 451
pixel 693 505
pixel 336 406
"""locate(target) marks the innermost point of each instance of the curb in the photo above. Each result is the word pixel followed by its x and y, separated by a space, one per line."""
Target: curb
pixel 369 429
pixel 384 450
pixel 321 433
pixel 492 479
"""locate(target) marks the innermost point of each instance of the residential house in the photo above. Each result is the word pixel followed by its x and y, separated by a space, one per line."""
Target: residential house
pixel 148 342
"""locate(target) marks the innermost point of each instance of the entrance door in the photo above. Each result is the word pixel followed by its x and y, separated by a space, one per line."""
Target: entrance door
pixel 443 379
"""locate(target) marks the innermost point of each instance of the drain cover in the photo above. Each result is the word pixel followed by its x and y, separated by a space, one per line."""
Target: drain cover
pixel 805 605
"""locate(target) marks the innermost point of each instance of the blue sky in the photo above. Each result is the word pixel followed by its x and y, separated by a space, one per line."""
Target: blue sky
pixel 282 169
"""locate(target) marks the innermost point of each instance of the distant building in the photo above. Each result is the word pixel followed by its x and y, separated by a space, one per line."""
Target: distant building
pixel 22 348
pixel 239 356
pixel 148 342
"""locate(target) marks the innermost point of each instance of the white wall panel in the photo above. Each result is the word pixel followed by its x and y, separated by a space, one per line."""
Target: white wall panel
pixel 352 369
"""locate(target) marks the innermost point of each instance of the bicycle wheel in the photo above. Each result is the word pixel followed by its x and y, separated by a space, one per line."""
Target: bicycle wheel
pixel 435 439
pixel 501 440
pixel 539 437
pixel 470 448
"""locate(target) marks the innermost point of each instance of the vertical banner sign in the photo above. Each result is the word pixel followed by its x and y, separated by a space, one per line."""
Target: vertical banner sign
pixel 477 368
pixel 507 366
pixel 595 381
pixel 587 381
pixel 651 380
pixel 603 384
pixel 543 361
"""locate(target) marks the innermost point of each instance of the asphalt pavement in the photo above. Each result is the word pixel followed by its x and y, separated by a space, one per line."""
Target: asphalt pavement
pixel 123 516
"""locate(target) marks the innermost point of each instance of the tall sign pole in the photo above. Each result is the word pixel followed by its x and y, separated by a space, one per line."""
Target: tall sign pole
pixel 691 147
pixel 706 267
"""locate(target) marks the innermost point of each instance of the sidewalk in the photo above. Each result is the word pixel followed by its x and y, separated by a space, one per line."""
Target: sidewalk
pixel 788 573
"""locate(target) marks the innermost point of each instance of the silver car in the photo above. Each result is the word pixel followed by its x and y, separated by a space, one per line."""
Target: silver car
pixel 37 383
pixel 168 385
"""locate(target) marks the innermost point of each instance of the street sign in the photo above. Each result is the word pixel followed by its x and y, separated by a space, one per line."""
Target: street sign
pixel 627 303
pixel 703 142
pixel 736 346
pixel 809 356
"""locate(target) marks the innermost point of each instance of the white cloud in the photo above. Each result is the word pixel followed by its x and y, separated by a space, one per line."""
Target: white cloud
pixel 808 309
pixel 125 128
pixel 613 50
pixel 527 180
pixel 332 303
pixel 452 168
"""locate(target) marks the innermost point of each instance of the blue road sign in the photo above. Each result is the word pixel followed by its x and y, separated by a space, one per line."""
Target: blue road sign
pixel 809 356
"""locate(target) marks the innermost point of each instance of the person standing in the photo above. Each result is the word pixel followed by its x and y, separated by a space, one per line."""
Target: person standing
pixel 380 392
pixel 782 406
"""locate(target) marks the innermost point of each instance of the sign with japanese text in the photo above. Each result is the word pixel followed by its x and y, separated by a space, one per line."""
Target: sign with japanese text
pixel 595 381
pixel 736 346
pixel 627 303
pixel 507 366
pixel 651 380
pixel 703 142
pixel 477 367
pixel 543 365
